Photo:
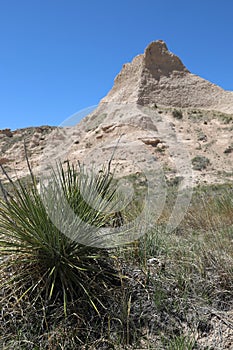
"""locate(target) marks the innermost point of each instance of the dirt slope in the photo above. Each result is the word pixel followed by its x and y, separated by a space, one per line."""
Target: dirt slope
pixel 160 115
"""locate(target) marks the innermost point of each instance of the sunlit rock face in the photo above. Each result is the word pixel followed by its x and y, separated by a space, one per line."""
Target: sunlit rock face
pixel 159 77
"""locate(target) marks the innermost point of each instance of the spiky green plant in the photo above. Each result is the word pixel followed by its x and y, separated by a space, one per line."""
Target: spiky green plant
pixel 50 237
pixel 181 343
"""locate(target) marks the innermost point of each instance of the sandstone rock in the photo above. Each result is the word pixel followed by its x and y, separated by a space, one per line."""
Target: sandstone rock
pixel 158 77
pixel 4 161
pixel 7 132
pixel 107 128
pixel 151 141
pixel 143 122
pixel 161 146
pixel 228 150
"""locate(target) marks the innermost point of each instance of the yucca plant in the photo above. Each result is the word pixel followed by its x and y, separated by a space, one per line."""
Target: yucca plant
pixel 50 236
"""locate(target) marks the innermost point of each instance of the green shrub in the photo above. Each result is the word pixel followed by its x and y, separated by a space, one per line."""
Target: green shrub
pixel 200 162
pixel 48 259
pixel 177 114
pixel 201 136
pixel 227 118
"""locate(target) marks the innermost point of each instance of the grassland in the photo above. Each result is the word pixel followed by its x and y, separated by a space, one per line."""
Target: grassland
pixel 173 290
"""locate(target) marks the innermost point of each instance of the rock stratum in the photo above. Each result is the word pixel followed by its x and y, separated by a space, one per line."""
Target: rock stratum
pixel 157 115
pixel 158 76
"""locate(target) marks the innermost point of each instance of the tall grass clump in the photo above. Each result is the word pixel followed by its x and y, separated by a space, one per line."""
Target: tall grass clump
pixel 211 209
pixel 43 250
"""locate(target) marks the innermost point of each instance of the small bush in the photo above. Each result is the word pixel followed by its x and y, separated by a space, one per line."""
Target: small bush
pixel 227 119
pixel 229 149
pixel 177 114
pixel 200 162
pixel 201 136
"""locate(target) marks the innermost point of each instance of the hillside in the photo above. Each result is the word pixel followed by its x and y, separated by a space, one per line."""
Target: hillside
pixel 162 113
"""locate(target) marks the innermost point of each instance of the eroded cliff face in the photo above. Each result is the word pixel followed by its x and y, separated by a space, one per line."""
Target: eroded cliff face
pixel 159 77
pixel 138 116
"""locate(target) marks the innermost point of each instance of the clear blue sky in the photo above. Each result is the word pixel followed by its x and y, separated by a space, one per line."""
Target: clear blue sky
pixel 60 56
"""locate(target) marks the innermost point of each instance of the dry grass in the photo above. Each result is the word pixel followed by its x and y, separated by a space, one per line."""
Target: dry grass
pixel 176 294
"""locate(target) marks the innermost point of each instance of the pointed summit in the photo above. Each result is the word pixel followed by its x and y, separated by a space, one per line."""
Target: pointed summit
pixel 159 77
pixel 159 61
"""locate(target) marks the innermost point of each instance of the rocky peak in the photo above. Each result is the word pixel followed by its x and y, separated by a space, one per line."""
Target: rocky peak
pixel 159 61
pixel 159 77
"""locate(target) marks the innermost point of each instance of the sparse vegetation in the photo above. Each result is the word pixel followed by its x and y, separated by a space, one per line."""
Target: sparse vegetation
pixel 177 114
pixel 201 136
pixel 24 134
pixel 200 162
pixel 164 291
pixel 197 115
pixel 227 118
pixel 205 116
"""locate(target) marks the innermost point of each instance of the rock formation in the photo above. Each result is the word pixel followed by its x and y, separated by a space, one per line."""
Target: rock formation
pixel 157 109
pixel 159 77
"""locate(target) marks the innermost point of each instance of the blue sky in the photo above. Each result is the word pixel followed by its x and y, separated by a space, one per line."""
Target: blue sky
pixel 60 56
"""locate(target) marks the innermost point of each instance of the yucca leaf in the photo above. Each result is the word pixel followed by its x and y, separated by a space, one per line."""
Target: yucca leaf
pixel 46 259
